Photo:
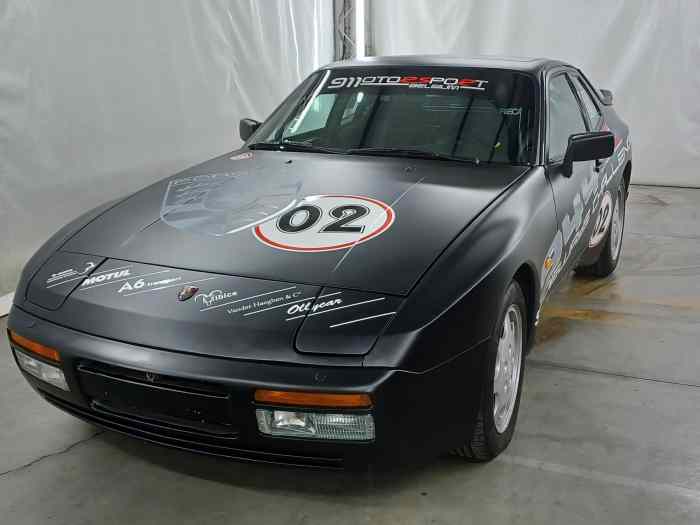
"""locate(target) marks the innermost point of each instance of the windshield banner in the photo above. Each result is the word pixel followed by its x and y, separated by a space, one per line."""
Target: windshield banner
pixel 413 81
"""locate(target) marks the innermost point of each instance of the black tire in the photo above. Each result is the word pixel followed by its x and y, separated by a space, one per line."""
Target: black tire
pixel 609 256
pixel 486 442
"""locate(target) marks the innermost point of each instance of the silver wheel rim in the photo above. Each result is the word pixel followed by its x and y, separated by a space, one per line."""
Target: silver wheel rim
pixel 507 371
pixel 618 221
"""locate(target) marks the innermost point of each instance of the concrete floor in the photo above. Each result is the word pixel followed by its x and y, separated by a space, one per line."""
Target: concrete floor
pixel 609 428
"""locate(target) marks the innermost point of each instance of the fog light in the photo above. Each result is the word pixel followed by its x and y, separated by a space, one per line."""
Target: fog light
pixel 316 425
pixel 48 373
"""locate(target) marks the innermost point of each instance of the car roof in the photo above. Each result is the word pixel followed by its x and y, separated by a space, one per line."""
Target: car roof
pixel 524 64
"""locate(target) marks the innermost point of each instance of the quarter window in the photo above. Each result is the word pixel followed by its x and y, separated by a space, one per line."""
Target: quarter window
pixel 565 116
pixel 588 104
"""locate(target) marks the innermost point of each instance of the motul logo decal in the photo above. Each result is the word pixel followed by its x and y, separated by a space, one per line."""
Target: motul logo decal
pixel 105 277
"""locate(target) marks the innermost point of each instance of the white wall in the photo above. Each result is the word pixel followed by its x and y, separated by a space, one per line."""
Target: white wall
pixel 99 97
pixel 646 51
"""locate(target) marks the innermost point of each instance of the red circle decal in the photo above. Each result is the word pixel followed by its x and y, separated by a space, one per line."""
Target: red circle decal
pixel 323 223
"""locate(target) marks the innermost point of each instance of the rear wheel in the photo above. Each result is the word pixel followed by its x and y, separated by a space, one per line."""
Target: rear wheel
pixel 610 254
pixel 502 382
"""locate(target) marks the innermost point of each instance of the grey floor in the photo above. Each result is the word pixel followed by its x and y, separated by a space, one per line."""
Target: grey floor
pixel 609 428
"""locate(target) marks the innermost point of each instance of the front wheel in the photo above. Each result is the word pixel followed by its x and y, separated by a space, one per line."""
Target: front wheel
pixel 502 382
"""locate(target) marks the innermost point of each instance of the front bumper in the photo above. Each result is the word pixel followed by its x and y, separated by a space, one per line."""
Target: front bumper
pixel 210 405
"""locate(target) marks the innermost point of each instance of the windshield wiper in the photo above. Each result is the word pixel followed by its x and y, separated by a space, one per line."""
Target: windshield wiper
pixel 291 145
pixel 410 152
pixel 274 146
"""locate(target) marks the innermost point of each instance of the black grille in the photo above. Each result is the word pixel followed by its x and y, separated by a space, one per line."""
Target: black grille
pixel 178 412
pixel 159 401
pixel 180 383
pixel 185 439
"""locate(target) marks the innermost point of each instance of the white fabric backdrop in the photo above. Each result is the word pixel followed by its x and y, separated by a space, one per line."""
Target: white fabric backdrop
pixel 100 98
pixel 646 51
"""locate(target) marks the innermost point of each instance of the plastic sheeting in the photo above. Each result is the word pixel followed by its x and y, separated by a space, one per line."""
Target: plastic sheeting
pixel 646 52
pixel 100 98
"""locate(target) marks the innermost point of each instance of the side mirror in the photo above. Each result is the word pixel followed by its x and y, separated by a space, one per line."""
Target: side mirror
pixel 593 145
pixel 607 96
pixel 247 127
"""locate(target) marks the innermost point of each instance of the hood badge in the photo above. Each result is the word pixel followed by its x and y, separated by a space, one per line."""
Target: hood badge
pixel 186 292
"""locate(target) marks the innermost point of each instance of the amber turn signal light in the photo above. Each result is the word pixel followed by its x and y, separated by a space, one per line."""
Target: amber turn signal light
pixel 34 347
pixel 313 399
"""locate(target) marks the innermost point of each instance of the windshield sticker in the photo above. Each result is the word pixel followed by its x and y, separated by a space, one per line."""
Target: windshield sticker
pixel 323 223
pixel 511 111
pixel 418 82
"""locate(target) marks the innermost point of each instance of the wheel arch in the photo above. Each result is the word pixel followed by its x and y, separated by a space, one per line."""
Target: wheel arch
pixel 627 175
pixel 526 277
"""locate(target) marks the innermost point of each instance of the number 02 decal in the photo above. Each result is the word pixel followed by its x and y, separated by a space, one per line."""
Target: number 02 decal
pixel 603 221
pixel 323 223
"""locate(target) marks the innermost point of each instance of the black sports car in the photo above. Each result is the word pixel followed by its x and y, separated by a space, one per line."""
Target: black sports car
pixel 358 284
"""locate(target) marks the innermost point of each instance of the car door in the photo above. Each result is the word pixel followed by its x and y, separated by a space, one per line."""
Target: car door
pixel 572 193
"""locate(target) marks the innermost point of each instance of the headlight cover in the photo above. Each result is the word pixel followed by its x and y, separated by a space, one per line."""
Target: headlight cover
pixel 43 371
pixel 315 425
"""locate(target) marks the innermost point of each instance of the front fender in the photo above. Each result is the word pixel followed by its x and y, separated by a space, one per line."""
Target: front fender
pixel 455 304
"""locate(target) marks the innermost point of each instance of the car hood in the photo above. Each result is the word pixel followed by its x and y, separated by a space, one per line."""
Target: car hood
pixel 224 217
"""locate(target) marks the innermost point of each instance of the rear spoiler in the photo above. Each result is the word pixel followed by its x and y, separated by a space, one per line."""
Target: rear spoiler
pixel 606 97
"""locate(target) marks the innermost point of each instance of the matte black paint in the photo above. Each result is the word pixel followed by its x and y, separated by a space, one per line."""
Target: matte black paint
pixel 433 201
pixel 430 287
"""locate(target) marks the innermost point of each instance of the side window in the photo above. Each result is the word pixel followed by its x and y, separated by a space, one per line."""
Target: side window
pixel 591 107
pixel 565 116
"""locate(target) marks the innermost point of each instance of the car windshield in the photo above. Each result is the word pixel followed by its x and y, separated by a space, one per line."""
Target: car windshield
pixel 478 115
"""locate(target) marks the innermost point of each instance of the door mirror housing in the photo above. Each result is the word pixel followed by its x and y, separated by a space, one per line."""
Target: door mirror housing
pixel 593 145
pixel 607 96
pixel 247 127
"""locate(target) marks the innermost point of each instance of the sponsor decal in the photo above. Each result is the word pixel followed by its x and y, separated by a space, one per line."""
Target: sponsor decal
pixel 140 284
pixel 332 308
pixel 572 227
pixel 243 156
pixel 307 307
pixel 68 275
pixel 186 292
pixel 105 277
pixel 263 303
pixel 323 223
pixel 416 82
pixel 225 203
pixel 214 297
pixel 603 221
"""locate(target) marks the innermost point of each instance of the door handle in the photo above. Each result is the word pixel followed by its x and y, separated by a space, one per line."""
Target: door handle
pixel 598 164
